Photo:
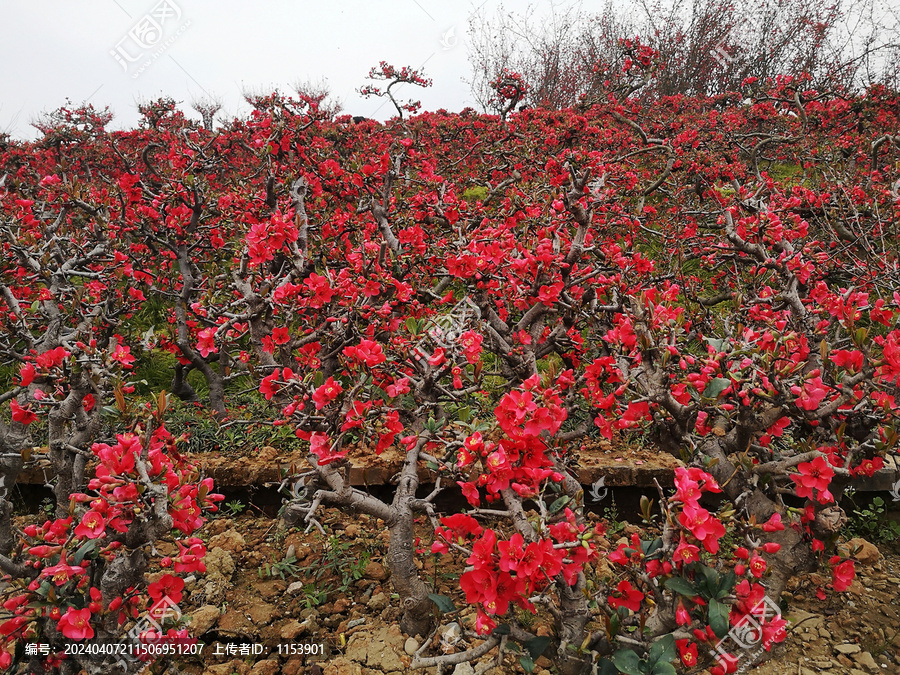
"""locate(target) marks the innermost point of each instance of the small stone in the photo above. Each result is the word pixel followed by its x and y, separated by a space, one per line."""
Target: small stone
pixel 341 605
pixel 375 571
pixel 847 649
pixel 866 661
pixel 262 613
pixel 342 666
pixel 295 588
pixel 412 645
pixel 865 552
pixel 464 669
pixel 352 530
pixel 230 540
pixel 203 619
pixel 378 602
pixel 291 629
pixel 267 667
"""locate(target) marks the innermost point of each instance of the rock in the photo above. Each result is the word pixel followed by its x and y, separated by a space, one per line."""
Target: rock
pixel 292 629
pixel 342 666
pixel 866 661
pixel 804 620
pixel 268 454
pixel 377 602
pixel 847 649
pixel 379 650
pixel 464 669
pixel 230 540
pixel 271 590
pixel 235 623
pixel 295 588
pixel 235 667
pixel 412 645
pixel 203 619
pixel 865 552
pixel 262 613
pixel 375 571
pixel 352 530
pixel 267 667
pixel 341 605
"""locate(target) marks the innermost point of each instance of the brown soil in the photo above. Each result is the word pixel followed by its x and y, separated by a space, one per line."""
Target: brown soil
pixel 338 593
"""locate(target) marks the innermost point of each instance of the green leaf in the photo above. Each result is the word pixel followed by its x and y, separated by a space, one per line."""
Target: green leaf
pixel 627 662
pixel 710 582
pixel 318 379
pixel 537 645
pixel 607 667
pixel 717 343
pixel 718 617
pixel 681 586
pixel 444 604
pixel 502 629
pixel 663 650
pixel 412 325
pixel 84 550
pixel 653 549
pixel 664 668
pixel 559 504
pixel 726 583
pixel 527 663
pixel 715 387
pixel 464 413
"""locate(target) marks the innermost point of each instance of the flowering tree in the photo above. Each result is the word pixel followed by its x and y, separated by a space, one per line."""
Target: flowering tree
pixel 480 294
pixel 66 290
pixel 388 73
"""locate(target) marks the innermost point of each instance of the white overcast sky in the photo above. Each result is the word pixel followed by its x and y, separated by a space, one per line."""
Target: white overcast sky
pixel 58 49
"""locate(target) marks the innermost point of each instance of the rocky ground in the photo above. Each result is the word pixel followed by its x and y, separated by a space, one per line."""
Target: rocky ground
pixel 271 586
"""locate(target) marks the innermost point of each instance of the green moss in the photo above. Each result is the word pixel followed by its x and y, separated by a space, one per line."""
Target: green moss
pixel 475 194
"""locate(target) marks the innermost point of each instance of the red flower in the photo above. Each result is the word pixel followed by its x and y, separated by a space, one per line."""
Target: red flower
pixel 320 290
pixel 367 351
pixel 843 575
pixel 92 525
pixel 757 566
pixel 320 445
pixel 325 394
pixel 627 596
pixel 20 414
pixel 75 624
pixel 774 524
pixel 206 345
pixel 26 372
pixel 688 652
pixel 685 552
pixel 280 335
pixel 123 355
pixel 168 586
pixel 815 475
pixel 265 385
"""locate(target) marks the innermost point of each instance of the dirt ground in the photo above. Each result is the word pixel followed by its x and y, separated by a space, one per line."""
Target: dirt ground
pixel 271 586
